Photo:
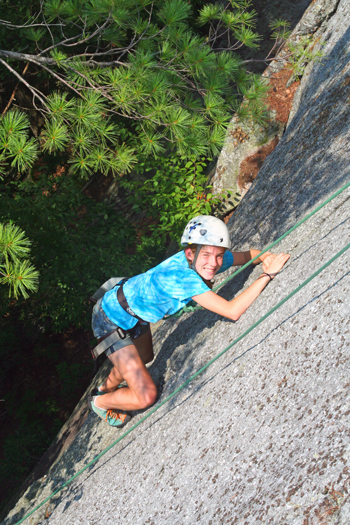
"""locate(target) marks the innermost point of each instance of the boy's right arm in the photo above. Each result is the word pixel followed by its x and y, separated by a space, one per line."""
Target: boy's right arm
pixel 235 308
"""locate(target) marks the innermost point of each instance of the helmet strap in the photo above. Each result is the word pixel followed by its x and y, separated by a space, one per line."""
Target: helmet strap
pixel 193 263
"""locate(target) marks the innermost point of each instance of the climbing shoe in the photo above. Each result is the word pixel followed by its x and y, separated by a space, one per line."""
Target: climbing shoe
pixel 114 417
pixel 96 392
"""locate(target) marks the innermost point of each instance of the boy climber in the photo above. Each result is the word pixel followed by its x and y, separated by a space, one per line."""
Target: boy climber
pixel 130 306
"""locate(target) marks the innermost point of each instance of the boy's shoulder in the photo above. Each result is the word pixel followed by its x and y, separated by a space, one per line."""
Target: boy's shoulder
pixel 177 279
pixel 176 269
pixel 178 260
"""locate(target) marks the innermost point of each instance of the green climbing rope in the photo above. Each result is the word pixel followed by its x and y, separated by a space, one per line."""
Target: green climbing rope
pixel 189 308
pixel 200 371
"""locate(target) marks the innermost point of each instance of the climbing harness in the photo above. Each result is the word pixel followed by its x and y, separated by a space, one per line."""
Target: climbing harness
pixel 124 303
pixel 109 339
pixel 211 361
pixel 108 285
pixel 136 330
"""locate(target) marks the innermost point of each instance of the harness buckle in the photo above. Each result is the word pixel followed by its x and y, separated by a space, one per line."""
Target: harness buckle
pixel 121 332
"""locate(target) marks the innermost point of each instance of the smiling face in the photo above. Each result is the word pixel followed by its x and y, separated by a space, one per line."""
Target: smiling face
pixel 209 260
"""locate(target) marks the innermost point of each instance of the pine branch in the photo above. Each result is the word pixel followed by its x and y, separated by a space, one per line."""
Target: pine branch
pixel 35 92
pixel 15 90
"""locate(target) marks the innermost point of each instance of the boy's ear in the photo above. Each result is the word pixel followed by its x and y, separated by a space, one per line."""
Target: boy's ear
pixel 189 254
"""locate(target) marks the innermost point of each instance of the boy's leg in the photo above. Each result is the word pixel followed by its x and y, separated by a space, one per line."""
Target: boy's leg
pixel 112 382
pixel 144 346
pixel 141 391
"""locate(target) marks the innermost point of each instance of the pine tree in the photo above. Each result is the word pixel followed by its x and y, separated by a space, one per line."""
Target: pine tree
pixel 117 79
pixel 16 271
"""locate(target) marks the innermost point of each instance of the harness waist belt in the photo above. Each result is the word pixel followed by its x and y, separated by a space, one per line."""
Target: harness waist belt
pixel 124 303
pixel 112 337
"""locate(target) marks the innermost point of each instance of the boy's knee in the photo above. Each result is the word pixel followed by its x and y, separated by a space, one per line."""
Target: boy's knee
pixel 148 398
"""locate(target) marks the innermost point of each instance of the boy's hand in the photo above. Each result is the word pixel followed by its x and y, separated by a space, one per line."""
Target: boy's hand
pixel 274 263
pixel 267 259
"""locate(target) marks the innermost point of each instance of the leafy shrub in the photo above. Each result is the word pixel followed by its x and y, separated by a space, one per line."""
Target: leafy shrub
pixel 175 191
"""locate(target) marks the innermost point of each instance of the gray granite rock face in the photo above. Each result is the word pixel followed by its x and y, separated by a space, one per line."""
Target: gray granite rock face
pixel 263 435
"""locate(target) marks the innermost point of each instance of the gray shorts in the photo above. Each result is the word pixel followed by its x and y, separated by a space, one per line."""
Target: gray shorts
pixel 102 325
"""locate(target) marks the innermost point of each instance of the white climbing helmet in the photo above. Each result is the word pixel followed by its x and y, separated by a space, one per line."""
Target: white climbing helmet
pixel 206 230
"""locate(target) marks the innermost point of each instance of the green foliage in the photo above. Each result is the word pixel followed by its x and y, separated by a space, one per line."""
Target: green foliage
pixel 253 108
pixel 176 191
pixel 16 147
pixel 16 271
pixel 121 62
pixel 302 53
pixel 32 443
pixel 279 29
pixel 173 12
pixel 40 386
pixel 77 244
pixel 70 375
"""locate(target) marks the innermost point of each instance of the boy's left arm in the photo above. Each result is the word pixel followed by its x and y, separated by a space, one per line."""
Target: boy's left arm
pixel 240 258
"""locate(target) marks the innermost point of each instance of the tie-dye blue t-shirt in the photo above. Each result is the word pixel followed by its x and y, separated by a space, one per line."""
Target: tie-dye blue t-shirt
pixel 161 291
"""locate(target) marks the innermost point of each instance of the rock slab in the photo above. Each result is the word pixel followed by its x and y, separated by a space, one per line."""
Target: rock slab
pixel 262 436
